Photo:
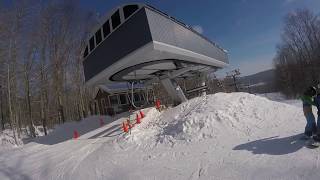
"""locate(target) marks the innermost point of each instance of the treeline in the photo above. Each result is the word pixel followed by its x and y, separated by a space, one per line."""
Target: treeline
pixel 297 62
pixel 41 76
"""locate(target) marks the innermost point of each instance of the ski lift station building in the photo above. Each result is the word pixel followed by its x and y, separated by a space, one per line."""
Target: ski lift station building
pixel 137 42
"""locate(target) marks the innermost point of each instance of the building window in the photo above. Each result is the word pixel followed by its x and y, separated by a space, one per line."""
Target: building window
pixel 150 95
pixel 123 99
pixel 115 19
pixel 86 52
pixel 91 42
pixel 136 97
pixel 106 29
pixel 113 100
pixel 128 10
pixel 98 37
pixel 103 106
pixel 97 109
pixel 142 97
pixel 103 103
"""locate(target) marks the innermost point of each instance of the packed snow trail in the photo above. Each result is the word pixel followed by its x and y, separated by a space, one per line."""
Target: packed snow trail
pixel 221 136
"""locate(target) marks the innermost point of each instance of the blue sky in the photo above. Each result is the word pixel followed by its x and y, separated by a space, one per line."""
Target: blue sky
pixel 248 29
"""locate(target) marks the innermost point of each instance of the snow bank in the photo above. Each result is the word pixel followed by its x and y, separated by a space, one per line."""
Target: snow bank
pixel 279 97
pixel 212 116
pixel 146 131
pixel 7 140
pixel 215 116
pixel 276 96
pixel 221 136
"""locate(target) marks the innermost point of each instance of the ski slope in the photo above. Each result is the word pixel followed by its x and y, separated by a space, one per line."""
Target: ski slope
pixel 220 136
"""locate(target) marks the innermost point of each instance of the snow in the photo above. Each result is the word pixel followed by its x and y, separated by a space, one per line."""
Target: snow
pixel 7 140
pixel 281 98
pixel 65 132
pixel 277 96
pixel 220 136
pixel 258 84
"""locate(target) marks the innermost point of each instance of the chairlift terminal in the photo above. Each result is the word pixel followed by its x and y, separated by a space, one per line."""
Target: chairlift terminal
pixel 137 42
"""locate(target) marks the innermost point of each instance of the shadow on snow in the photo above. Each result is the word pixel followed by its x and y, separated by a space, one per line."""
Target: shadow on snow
pixel 107 132
pixel 274 145
pixel 66 133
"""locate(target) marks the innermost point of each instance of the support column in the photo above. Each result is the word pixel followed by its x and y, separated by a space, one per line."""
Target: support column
pixel 174 90
pixel 203 83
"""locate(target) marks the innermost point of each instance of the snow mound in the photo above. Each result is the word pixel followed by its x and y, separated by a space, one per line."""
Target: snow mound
pixel 7 140
pixel 275 96
pixel 217 116
pixel 236 113
pixel 146 131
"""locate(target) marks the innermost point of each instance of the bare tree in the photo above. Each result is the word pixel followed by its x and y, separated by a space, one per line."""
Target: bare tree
pixel 41 73
pixel 297 60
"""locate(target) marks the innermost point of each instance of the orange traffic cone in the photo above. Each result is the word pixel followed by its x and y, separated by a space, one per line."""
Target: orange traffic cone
pixel 125 127
pixel 158 104
pixel 138 119
pixel 129 123
pixel 75 134
pixel 142 114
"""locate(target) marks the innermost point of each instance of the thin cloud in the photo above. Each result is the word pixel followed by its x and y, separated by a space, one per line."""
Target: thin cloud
pixel 289 1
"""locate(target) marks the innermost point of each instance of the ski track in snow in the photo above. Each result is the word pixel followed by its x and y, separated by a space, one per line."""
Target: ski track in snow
pixel 221 136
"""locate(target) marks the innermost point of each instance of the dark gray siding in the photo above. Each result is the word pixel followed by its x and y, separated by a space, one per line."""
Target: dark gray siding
pixel 167 31
pixel 130 36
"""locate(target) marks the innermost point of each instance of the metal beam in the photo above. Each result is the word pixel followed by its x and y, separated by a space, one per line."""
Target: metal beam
pixel 174 91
